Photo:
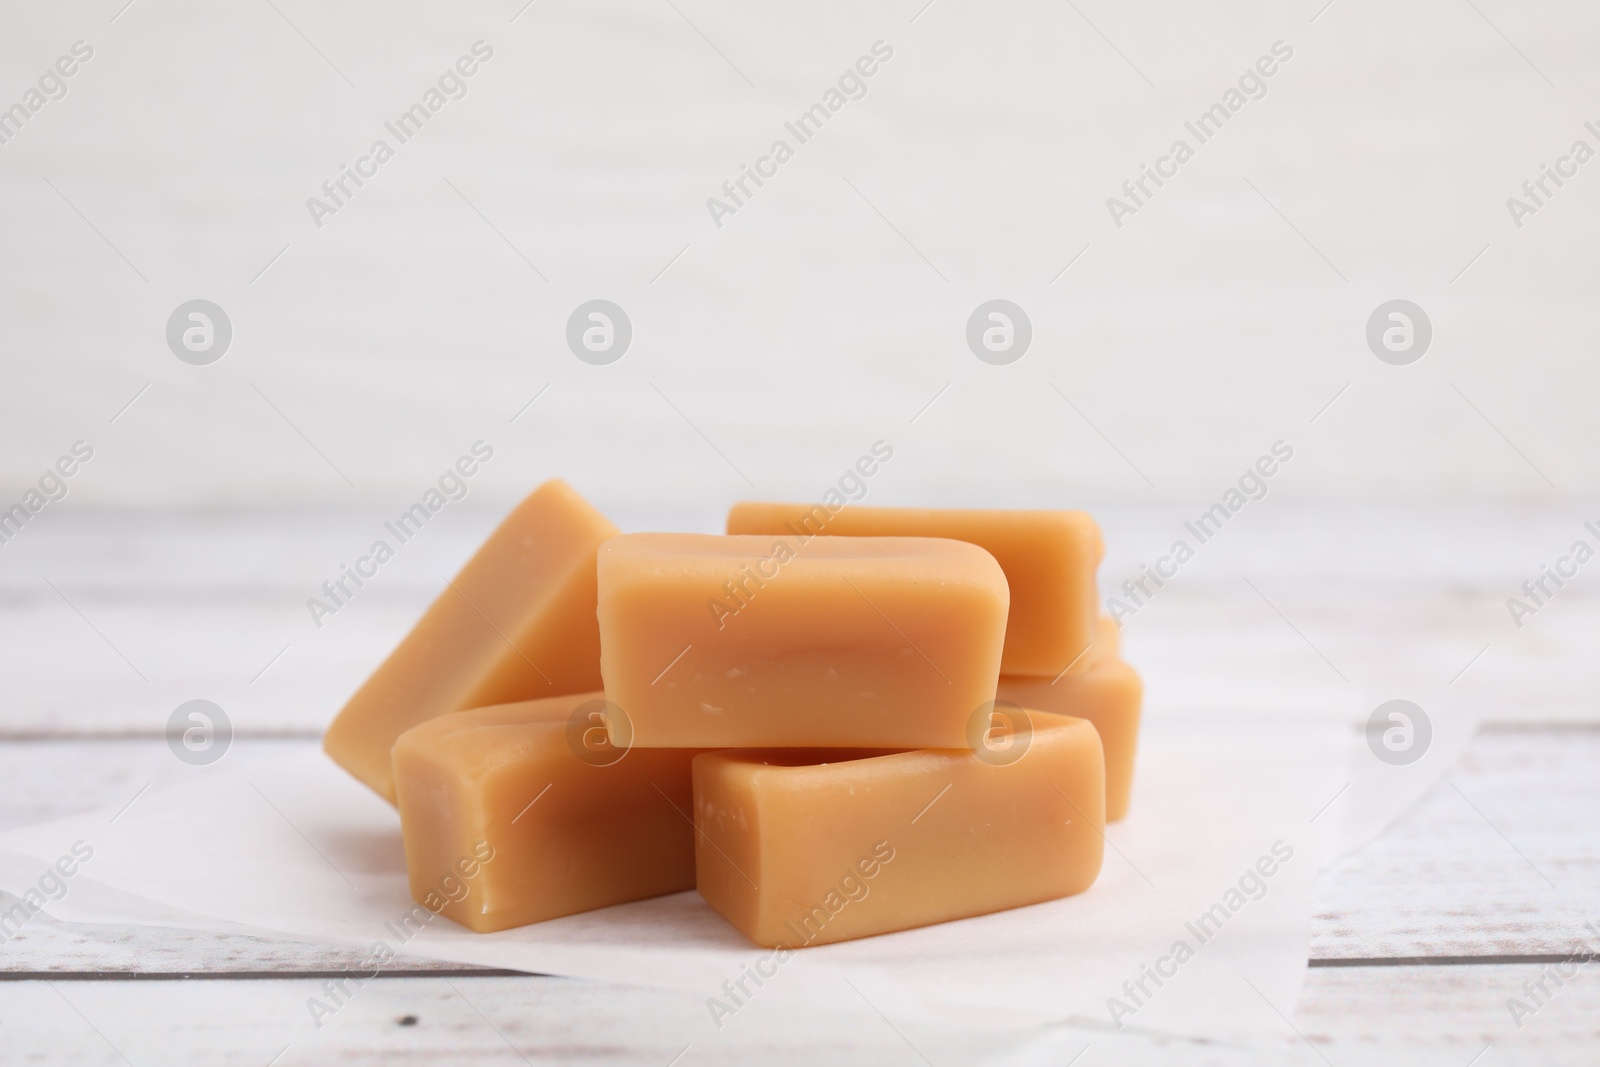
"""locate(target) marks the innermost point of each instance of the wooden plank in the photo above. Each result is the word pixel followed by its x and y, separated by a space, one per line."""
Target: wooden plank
pixel 52 778
pixel 1502 858
pixel 480 1020
pixel 1496 864
pixel 1441 882
pixel 114 618
pixel 122 665
pixel 1372 1016
pixel 201 552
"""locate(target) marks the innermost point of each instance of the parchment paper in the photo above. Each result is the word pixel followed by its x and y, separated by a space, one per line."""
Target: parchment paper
pixel 298 848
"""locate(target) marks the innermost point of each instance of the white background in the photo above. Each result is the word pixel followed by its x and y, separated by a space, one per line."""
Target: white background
pixel 809 325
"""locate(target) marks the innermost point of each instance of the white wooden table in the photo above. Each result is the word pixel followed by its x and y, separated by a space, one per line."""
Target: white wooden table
pixel 1419 938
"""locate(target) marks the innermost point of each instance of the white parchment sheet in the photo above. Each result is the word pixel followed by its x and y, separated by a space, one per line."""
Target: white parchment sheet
pixel 299 848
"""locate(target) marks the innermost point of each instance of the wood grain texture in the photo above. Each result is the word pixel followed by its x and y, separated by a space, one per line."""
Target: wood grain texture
pixel 1501 858
pixel 1463 873
pixel 1370 1016
pixel 113 619
pixel 1418 940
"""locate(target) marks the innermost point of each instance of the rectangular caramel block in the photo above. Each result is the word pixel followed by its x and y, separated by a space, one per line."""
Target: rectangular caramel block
pixel 1049 558
pixel 711 642
pixel 518 622
pixel 567 823
pixel 1108 693
pixel 805 847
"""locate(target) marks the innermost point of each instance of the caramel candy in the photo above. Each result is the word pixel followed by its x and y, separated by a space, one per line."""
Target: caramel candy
pixel 711 642
pixel 804 847
pixel 1108 693
pixel 1049 558
pixel 1108 635
pixel 567 823
pixel 518 622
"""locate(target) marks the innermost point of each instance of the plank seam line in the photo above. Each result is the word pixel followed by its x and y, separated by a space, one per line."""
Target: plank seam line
pixel 487 972
pixel 87 736
pixel 1554 726
pixel 1446 961
pixel 237 976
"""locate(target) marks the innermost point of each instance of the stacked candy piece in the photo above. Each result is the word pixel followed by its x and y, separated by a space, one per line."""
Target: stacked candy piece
pixel 835 721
